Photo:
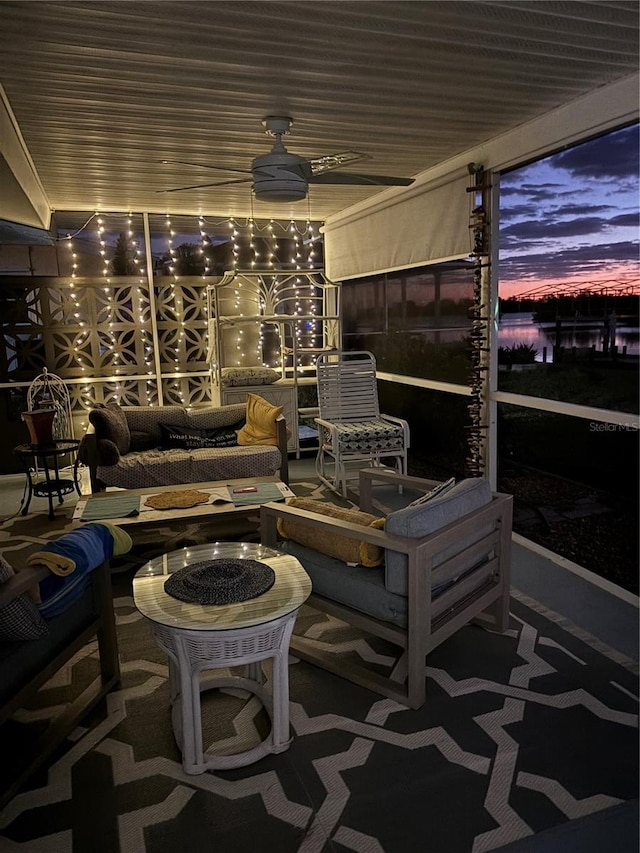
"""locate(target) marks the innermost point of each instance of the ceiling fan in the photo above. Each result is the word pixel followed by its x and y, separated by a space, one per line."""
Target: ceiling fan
pixel 281 176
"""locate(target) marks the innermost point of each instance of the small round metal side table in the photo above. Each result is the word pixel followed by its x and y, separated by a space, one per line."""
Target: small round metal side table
pixel 198 638
pixel 49 456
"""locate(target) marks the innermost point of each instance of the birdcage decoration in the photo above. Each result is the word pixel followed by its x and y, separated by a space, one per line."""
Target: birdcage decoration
pixel 48 391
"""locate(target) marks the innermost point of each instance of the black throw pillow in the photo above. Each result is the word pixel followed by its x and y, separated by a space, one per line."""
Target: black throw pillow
pixel 191 438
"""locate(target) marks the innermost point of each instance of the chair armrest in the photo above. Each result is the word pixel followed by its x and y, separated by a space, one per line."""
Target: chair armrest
pixel 88 454
pixel 23 581
pixel 96 451
pixel 385 475
pixel 400 422
pixel 327 424
pixel 283 441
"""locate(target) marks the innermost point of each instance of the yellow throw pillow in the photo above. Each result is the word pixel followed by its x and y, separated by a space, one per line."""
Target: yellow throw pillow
pixel 260 427
pixel 333 545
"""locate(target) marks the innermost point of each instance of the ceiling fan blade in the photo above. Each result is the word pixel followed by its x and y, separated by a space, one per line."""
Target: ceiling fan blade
pixel 205 186
pixel 205 166
pixel 332 161
pixel 363 180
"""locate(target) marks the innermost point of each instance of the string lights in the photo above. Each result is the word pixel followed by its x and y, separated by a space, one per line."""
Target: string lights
pixel 83 332
pixel 126 338
pixel 306 232
pixel 205 243
pixel 312 249
pixel 173 263
pixel 235 246
pixel 134 248
pixel 110 305
pixel 81 336
pixel 252 244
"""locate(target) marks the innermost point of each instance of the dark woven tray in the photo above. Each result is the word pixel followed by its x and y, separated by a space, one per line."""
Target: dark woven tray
pixel 220 581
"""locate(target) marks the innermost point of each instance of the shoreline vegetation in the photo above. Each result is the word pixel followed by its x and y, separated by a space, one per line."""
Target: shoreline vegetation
pixel 586 306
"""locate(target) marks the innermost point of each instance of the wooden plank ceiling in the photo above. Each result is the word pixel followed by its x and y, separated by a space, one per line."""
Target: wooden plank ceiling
pixel 103 91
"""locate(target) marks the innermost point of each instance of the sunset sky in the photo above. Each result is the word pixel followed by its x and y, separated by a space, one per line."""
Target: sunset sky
pixel 570 221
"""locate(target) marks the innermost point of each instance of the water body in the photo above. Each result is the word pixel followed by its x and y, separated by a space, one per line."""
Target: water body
pixel 517 329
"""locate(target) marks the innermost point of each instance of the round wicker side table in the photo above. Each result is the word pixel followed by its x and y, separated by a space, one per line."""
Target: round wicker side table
pixel 200 638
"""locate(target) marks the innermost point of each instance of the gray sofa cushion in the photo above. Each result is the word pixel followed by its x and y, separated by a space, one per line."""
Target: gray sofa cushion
pixel 148 418
pixel 176 467
pixel 254 375
pixel 414 522
pixel 363 589
pixel 215 417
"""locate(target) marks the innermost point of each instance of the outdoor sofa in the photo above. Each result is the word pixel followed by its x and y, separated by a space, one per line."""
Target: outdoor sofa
pixel 134 447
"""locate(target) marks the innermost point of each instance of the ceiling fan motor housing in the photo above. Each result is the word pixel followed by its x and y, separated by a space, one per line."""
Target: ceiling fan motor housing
pixel 279 177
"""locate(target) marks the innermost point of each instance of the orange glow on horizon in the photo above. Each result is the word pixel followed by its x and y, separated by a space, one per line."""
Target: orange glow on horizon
pixel 620 279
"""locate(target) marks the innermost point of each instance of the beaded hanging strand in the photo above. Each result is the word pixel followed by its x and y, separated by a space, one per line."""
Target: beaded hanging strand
pixel 477 407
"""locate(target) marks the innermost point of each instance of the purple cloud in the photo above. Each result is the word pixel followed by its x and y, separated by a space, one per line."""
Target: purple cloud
pixel 586 260
pixel 615 155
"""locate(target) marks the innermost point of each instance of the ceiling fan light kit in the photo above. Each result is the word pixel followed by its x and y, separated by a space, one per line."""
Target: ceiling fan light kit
pixel 277 125
pixel 282 176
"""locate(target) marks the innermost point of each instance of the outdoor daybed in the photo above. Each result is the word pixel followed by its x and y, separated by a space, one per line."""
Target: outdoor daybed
pixel 135 447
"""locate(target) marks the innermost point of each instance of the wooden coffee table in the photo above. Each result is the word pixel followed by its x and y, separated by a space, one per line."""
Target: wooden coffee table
pixel 149 516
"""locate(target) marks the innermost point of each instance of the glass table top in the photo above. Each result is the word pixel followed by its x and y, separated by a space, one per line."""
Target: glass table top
pixel 291 588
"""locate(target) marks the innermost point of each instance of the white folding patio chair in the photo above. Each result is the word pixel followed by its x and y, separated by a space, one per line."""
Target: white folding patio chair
pixel 353 432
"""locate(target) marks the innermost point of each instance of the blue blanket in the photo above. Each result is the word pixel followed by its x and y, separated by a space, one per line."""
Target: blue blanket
pixel 84 549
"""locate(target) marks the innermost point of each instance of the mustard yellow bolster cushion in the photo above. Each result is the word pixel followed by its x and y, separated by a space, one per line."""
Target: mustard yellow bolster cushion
pixel 260 427
pixel 333 544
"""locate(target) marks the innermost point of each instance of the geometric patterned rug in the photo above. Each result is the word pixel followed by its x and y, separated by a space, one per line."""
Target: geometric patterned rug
pixel 520 732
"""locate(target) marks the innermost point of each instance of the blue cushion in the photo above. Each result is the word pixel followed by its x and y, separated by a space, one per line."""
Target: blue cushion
pixel 363 589
pixel 415 522
pixel 354 586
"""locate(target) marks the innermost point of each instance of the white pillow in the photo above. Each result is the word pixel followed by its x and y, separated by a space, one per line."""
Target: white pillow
pixel 255 375
pixel 440 489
